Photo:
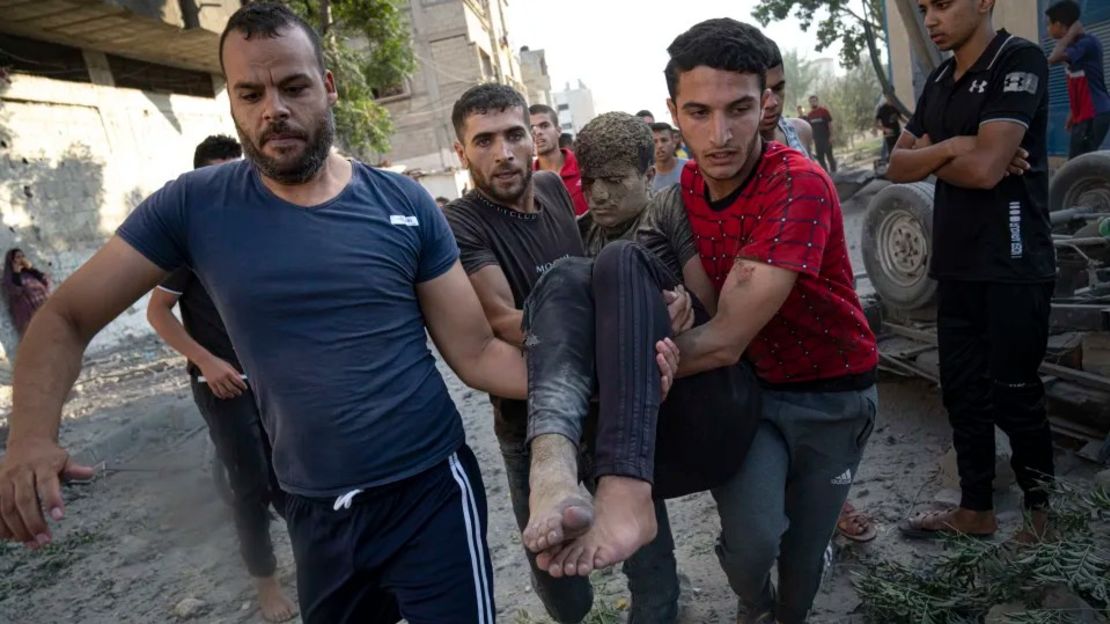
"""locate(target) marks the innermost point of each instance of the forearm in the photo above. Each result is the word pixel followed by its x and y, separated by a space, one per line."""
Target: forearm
pixel 509 328
pixel 913 165
pixel 971 171
pixel 173 332
pixel 707 347
pixel 498 368
pixel 47 366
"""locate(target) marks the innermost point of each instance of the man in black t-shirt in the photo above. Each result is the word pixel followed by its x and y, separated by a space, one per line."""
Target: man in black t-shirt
pixel 511 229
pixel 889 121
pixel 979 127
pixel 222 394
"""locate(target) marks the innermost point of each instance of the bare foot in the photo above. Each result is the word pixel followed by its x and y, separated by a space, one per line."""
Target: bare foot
pixel 557 509
pixel 1035 529
pixel 625 522
pixel 272 601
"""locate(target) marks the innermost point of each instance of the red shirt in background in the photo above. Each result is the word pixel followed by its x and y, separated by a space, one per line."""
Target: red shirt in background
pixel 572 179
pixel 788 215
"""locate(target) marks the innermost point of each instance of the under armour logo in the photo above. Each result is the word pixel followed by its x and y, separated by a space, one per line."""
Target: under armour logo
pixel 978 86
pixel 1018 82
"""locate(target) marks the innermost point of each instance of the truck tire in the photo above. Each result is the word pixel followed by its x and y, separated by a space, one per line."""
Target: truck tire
pixel 1083 181
pixel 897 245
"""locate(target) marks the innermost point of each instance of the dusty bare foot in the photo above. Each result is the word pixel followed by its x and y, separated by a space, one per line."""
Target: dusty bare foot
pixel 625 521
pixel 1035 529
pixel 272 601
pixel 557 509
pixel 948 522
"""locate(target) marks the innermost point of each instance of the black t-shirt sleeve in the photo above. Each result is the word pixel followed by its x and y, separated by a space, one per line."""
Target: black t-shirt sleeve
pixel 1017 87
pixel 666 226
pixel 475 251
pixel 916 124
pixel 178 281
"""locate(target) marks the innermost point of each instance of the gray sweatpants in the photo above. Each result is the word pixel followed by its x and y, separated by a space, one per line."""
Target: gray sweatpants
pixel 784 502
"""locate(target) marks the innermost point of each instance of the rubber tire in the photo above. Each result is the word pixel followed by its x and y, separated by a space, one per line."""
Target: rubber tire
pixel 1092 169
pixel 917 199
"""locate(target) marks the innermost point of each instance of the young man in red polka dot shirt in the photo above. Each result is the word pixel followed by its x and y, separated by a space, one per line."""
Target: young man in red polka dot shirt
pixel 770 234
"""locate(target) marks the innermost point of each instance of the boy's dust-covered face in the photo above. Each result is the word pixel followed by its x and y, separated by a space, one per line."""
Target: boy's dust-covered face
pixel 616 195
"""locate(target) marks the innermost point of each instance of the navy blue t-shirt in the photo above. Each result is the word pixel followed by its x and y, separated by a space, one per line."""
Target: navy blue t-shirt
pixel 321 307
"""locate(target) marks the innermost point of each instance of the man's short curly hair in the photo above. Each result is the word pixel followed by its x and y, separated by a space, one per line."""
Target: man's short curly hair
pixel 721 43
pixel 611 142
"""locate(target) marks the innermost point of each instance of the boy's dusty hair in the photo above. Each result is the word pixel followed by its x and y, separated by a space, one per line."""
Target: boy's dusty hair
pixel 612 142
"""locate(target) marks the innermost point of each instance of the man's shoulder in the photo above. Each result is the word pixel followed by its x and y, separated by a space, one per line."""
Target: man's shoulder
pixel 784 168
pixel 550 189
pixel 463 211
pixel 546 180
pixel 1022 52
pixel 385 180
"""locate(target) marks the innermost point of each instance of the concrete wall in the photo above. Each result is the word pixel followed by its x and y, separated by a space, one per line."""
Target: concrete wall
pixel 579 107
pixel 75 159
pixel 533 69
pixel 212 14
pixel 448 36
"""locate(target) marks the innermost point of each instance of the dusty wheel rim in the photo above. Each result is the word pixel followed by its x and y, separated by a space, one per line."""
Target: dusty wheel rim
pixel 903 248
pixel 1091 193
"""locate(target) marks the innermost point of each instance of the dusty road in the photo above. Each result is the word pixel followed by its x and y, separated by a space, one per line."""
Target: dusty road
pixel 139 540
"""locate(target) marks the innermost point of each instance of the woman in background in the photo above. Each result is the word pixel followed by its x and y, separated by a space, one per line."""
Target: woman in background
pixel 25 288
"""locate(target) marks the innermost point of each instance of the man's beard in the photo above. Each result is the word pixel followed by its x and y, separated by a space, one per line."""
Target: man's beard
pixel 754 150
pixel 487 187
pixel 317 146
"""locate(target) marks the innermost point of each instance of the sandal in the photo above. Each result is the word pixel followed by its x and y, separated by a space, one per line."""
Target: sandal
pixel 855 525
pixel 934 524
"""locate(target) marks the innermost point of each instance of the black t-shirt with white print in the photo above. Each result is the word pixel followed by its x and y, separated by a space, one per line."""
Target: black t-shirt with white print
pixel 1000 234
pixel 523 245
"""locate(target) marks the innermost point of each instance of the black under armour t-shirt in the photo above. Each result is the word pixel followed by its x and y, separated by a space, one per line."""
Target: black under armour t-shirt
pixel 1000 234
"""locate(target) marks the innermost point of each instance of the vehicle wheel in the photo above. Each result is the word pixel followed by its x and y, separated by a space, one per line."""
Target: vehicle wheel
pixel 897 245
pixel 1083 181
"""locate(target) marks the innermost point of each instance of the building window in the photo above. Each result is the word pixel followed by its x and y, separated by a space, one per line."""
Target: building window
pixel 392 92
pixel 146 76
pixel 39 58
pixel 563 107
pixel 487 64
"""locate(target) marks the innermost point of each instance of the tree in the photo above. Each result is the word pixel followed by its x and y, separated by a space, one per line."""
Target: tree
pixel 853 99
pixel 800 76
pixel 367 47
pixel 837 20
pixel 854 23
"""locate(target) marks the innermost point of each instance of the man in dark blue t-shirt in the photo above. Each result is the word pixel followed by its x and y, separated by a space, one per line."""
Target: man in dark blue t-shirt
pixel 226 402
pixel 1089 113
pixel 329 276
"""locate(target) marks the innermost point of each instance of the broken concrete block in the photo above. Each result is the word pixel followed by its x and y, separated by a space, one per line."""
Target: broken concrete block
pixel 1102 479
pixel 189 608
pixel 1061 598
pixel 1096 353
pixel 1000 614
pixel 1003 473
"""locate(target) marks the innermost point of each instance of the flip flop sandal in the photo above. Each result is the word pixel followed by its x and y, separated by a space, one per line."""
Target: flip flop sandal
pixel 915 527
pixel 855 525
